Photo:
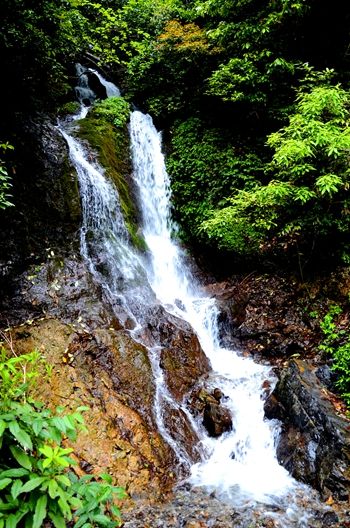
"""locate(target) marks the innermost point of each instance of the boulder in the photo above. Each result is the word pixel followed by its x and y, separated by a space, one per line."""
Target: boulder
pixel 181 357
pixel 314 444
pixel 216 419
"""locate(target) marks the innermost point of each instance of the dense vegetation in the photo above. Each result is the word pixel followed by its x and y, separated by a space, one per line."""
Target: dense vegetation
pixel 254 95
pixel 37 480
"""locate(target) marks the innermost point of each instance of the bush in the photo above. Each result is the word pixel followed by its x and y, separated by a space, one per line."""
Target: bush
pixel 114 110
pixel 204 168
pixel 337 343
pixel 306 202
pixel 35 479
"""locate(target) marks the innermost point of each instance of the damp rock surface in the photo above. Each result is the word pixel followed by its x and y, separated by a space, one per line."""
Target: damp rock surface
pixel 110 375
pixel 315 441
pixel 197 508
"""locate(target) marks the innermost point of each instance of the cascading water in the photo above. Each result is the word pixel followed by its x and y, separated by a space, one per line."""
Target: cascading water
pixel 242 463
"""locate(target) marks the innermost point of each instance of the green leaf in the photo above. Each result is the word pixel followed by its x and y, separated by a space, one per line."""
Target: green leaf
pixel 38 424
pixel 64 480
pixel 82 520
pixel 63 504
pixel 103 520
pixel 3 426
pixel 15 488
pixel 21 457
pixel 46 451
pixel 16 472
pixel 12 521
pixel 32 484
pixel 52 488
pixel 57 519
pixel 106 477
pixel 4 482
pixel 21 436
pixel 40 512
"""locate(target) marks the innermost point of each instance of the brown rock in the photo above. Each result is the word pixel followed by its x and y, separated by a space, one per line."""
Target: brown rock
pixel 111 375
pixel 182 357
pixel 216 419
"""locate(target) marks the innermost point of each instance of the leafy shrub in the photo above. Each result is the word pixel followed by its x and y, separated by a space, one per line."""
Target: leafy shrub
pixel 115 110
pixel 204 168
pixel 34 480
pixel 307 198
pixel 337 343
pixel 4 179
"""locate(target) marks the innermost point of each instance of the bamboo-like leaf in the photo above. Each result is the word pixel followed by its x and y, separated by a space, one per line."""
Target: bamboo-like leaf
pixel 40 512
pixel 32 484
pixel 21 436
pixel 4 482
pixel 57 519
pixel 21 457
pixel 16 488
pixel 16 472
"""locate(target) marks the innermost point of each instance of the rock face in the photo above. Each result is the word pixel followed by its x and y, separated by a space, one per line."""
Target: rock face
pixel 96 362
pixel 315 442
pixel 45 193
pixel 263 315
pixel 182 357
pixel 111 375
pixel 216 419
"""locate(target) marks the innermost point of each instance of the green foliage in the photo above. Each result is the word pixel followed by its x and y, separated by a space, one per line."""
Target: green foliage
pixel 307 197
pixel 16 373
pixel 252 39
pixel 118 32
pixel 35 44
pixel 4 179
pixel 204 167
pixel 171 67
pixel 114 110
pixel 34 482
pixel 336 342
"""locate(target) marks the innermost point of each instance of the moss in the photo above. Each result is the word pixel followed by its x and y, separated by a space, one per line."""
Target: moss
pixel 109 138
pixel 71 107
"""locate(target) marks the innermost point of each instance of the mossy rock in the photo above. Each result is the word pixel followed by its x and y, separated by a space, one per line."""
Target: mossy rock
pixel 72 107
pixel 105 129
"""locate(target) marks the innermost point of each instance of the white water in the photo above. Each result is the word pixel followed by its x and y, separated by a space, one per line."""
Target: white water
pixel 241 464
pixel 111 89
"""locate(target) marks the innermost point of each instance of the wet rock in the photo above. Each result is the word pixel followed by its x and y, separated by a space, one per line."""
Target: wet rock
pixel 195 508
pixel 60 286
pixel 181 357
pixel 315 442
pixel 184 436
pixel 216 419
pixel 45 192
pixel 110 375
pixel 262 314
pixel 96 85
pixel 125 362
pixel 274 408
pixel 329 519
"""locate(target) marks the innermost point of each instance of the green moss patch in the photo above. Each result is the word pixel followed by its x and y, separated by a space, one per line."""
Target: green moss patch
pixel 105 129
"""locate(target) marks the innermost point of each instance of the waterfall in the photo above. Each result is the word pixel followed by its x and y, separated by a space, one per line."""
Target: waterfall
pixel 241 465
pixel 243 461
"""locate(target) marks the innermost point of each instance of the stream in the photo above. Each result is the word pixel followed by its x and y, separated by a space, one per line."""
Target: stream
pixel 241 466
